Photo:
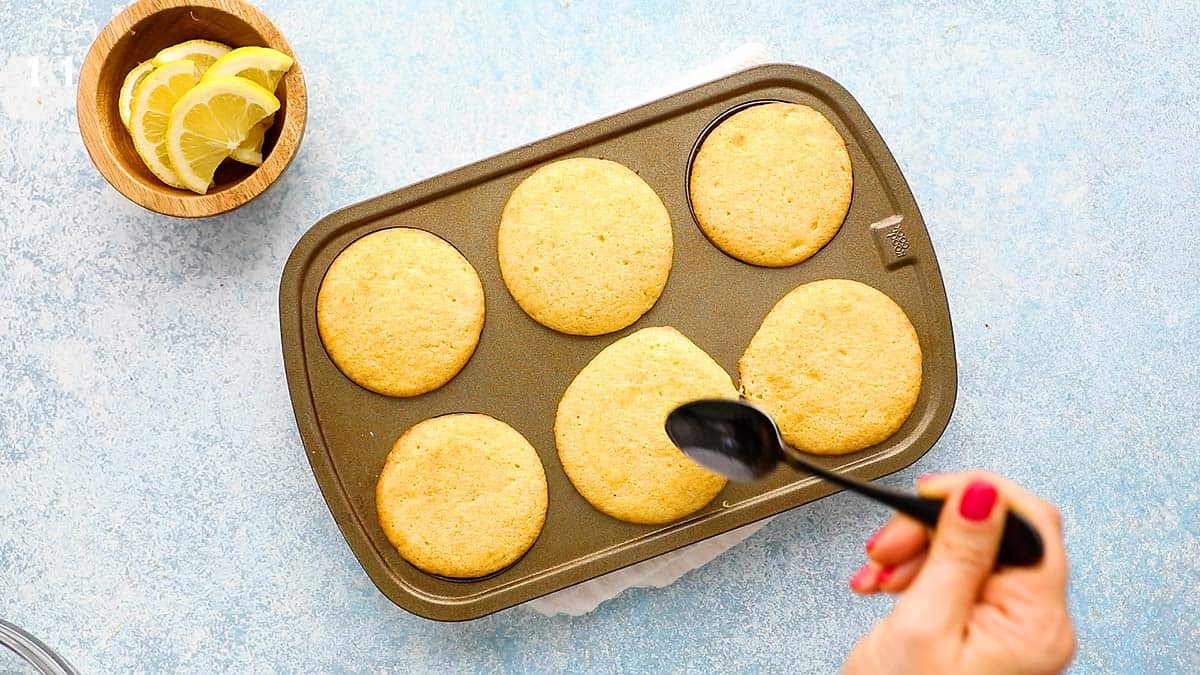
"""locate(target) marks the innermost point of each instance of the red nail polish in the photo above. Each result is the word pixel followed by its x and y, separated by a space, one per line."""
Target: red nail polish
pixel 859 580
pixel 978 500
pixel 885 574
pixel 872 539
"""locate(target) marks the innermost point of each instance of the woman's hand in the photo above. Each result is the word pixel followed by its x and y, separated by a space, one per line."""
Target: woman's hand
pixel 958 614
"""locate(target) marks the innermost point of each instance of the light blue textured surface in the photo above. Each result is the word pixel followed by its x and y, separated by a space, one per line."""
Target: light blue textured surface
pixel 156 508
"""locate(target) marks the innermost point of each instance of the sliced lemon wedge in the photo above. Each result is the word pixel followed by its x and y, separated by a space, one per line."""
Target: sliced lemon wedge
pixel 261 65
pixel 150 109
pixel 203 53
pixel 131 82
pixel 209 122
pixel 250 151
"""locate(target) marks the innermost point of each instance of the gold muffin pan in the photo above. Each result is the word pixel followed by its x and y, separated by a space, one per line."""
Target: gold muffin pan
pixel 520 368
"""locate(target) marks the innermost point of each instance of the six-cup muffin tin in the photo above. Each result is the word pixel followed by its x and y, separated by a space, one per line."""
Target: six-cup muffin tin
pixel 521 368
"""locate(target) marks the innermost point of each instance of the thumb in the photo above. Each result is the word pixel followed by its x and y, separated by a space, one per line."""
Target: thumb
pixel 961 556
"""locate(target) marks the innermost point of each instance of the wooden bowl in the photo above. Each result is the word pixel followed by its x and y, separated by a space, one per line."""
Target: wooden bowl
pixel 137 34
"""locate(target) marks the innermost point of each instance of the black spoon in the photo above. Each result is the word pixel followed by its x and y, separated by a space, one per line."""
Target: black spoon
pixel 741 442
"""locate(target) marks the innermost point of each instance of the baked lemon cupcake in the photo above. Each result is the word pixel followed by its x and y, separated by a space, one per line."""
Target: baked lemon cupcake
pixel 400 311
pixel 462 495
pixel 837 364
pixel 771 184
pixel 610 432
pixel 585 246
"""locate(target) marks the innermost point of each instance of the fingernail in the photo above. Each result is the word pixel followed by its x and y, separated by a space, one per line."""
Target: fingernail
pixel 884 575
pixel 872 539
pixel 926 476
pixel 859 581
pixel 978 500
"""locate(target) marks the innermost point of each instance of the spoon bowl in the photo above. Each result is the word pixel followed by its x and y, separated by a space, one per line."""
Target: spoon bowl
pixel 742 443
pixel 739 441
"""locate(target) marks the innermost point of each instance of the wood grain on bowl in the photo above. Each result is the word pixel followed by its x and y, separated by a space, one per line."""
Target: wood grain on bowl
pixel 137 34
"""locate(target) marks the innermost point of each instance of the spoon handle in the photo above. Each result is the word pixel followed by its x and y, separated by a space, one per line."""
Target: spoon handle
pixel 1020 545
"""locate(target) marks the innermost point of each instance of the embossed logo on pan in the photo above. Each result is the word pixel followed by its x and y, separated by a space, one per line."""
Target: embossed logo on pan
pixel 891 241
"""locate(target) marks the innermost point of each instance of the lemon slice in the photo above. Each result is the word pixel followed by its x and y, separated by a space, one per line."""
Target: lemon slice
pixel 149 110
pixel 131 81
pixel 250 151
pixel 209 122
pixel 203 52
pixel 261 65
